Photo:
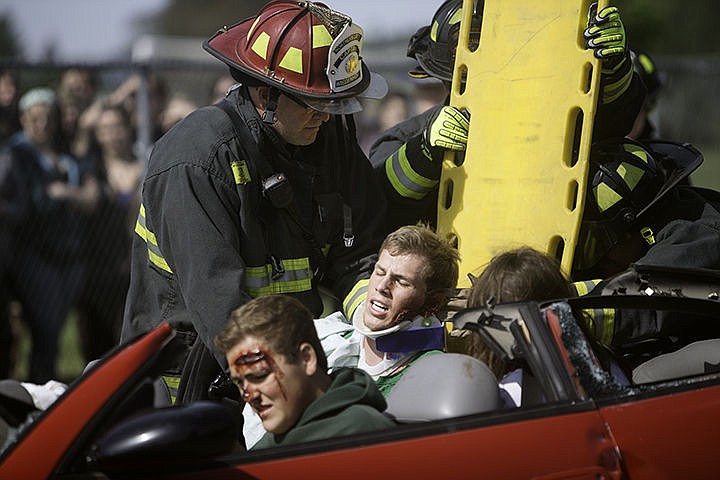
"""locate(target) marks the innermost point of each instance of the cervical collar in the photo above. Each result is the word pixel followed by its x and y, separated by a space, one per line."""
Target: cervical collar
pixel 360 326
pixel 419 334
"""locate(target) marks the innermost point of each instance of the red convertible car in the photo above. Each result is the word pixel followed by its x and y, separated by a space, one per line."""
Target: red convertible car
pixel 578 419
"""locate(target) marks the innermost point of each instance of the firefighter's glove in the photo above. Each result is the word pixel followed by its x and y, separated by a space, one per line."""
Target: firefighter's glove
pixel 606 35
pixel 448 129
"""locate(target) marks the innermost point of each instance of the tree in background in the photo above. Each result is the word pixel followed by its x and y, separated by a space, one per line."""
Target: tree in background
pixel 201 19
pixel 672 26
pixel 9 46
pixel 660 26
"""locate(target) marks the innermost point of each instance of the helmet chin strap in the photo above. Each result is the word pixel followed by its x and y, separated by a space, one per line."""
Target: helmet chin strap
pixel 269 116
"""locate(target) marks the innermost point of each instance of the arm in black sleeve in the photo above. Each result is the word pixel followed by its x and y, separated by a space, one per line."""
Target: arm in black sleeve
pixel 407 172
pixel 688 243
pixel 621 99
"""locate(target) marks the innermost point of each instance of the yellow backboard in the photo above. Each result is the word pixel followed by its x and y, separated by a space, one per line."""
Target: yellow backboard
pixel 531 88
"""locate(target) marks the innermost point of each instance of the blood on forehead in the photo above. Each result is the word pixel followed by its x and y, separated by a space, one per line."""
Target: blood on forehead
pixel 254 361
pixel 249 357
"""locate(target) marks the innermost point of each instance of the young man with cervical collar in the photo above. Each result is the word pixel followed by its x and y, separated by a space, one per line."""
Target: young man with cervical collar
pixel 396 324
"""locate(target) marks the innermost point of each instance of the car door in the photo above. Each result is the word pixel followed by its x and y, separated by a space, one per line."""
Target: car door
pixel 555 442
pixel 563 437
pixel 670 431
pixel 665 419
pixel 54 437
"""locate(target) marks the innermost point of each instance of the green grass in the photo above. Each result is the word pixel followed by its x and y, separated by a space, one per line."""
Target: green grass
pixel 70 359
pixel 708 175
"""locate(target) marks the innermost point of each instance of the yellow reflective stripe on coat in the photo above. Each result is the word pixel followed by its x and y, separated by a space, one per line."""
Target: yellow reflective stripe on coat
pixel 582 288
pixel 613 91
pixel 154 253
pixel 357 295
pixel 296 277
pixel 406 181
pixel 240 172
pixel 601 321
pixel 172 382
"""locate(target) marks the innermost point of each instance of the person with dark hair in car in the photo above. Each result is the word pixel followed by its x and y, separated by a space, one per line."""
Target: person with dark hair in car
pixel 522 274
pixel 275 357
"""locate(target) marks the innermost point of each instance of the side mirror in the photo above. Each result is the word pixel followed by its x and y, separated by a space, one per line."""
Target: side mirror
pixel 160 438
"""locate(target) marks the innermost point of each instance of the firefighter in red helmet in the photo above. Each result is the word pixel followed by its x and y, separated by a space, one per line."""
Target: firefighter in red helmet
pixel 265 192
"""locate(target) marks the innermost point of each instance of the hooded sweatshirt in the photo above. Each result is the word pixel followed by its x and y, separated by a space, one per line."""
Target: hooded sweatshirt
pixel 352 404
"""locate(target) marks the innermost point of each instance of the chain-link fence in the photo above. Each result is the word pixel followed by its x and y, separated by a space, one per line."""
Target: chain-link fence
pixel 157 94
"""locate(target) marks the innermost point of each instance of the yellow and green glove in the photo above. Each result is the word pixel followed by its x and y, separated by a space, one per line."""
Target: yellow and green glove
pixel 448 130
pixel 606 33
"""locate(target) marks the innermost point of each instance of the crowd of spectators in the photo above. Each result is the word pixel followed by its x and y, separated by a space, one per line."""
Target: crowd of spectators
pixel 69 177
pixel 96 127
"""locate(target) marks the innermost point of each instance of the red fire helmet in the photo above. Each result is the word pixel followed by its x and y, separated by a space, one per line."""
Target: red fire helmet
pixel 302 48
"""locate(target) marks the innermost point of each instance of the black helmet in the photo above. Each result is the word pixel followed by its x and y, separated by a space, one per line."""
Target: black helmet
pixel 625 180
pixel 433 46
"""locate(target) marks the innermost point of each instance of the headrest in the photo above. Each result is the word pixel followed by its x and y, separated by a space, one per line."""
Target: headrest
pixel 696 358
pixel 443 385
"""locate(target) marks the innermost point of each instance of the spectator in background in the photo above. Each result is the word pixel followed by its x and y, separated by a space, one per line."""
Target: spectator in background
pixel 9 95
pixel 46 269
pixel 83 139
pixel 9 192
pixel 76 92
pixel 394 108
pixel 221 87
pixel 429 93
pixel 125 96
pixel 177 108
pixel 157 91
pixel 109 238
pixel 79 84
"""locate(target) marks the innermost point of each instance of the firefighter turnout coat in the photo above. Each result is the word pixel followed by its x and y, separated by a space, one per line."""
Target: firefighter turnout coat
pixel 210 236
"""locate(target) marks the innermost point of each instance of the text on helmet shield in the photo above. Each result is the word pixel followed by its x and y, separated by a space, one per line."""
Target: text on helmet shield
pixel 344 69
